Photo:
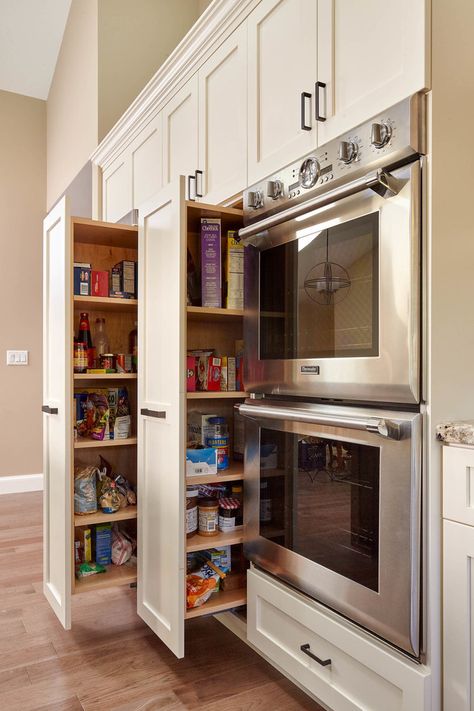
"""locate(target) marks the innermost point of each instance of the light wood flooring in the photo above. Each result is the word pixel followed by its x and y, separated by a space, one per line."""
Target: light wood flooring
pixel 110 660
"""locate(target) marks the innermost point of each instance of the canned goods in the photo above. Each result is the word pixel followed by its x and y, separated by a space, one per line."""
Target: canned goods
pixel 218 438
pixel 107 361
pixel 120 363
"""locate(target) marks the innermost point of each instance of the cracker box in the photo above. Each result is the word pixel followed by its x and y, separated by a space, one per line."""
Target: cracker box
pixel 123 278
pixel 82 280
pixel 100 283
pixel 234 271
pixel 191 373
pixel 198 426
pixel 211 263
pixel 231 374
pixel 209 369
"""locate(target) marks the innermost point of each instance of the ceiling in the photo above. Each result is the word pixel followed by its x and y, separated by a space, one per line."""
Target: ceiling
pixel 31 33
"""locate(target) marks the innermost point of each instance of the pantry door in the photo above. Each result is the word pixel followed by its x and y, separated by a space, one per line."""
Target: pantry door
pixel 161 407
pixel 57 409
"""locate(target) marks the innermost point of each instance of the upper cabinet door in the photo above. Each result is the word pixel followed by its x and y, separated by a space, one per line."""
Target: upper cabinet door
pixel 282 60
pixel 147 162
pixel 223 119
pixel 161 420
pixel 370 56
pixel 180 134
pixel 117 188
pixel 57 408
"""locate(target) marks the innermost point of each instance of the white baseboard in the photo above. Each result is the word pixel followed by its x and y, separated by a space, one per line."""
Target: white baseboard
pixel 21 483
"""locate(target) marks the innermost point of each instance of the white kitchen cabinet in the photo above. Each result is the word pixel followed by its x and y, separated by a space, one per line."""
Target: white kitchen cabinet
pixel 180 135
pixel 327 656
pixel 458 581
pixel 147 162
pixel 117 192
pixel 371 55
pixel 223 119
pixel 282 64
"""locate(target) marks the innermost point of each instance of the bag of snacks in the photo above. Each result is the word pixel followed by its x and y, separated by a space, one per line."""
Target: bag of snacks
pixel 85 492
pixel 99 405
pixel 201 584
pixel 122 546
pixel 83 570
pixel 110 500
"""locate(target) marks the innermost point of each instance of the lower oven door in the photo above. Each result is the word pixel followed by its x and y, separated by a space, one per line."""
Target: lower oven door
pixel 332 506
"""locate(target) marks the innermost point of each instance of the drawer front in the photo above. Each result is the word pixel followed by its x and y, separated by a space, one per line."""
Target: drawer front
pixel 361 675
pixel 458 484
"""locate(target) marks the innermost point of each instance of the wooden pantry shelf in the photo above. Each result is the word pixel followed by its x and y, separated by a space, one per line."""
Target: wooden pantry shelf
pixel 202 543
pixel 105 303
pixel 219 602
pixel 104 233
pixel 129 512
pixel 234 473
pixel 105 376
pixel 219 395
pixel 115 575
pixel 202 313
pixel 88 443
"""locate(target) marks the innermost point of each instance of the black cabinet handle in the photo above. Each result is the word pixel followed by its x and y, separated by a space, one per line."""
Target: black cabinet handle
pixel 324 662
pixel 319 85
pixel 304 96
pixel 198 190
pixel 49 410
pixel 153 413
pixel 191 177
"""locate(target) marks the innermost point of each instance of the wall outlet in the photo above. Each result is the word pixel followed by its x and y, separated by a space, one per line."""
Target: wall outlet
pixel 17 357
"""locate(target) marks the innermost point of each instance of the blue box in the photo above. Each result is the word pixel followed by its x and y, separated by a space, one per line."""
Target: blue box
pixel 201 461
pixel 103 544
pixel 82 281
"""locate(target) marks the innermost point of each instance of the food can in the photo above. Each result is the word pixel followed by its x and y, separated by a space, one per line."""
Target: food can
pixel 120 363
pixel 107 361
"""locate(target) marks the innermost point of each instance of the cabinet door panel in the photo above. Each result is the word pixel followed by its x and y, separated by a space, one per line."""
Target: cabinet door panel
pixel 458 620
pixel 57 427
pixel 147 159
pixel 161 441
pixel 370 55
pixel 117 189
pixel 223 119
pixel 282 60
pixel 180 133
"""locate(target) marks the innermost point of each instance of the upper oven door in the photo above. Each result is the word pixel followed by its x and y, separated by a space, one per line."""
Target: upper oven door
pixel 332 297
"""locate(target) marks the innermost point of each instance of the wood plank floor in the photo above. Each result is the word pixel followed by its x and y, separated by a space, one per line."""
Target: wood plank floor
pixel 110 660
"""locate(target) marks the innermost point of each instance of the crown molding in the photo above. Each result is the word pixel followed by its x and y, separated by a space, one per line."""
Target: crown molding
pixel 210 30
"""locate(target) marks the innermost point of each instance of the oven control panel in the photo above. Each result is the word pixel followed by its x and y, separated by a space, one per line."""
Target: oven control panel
pixel 395 136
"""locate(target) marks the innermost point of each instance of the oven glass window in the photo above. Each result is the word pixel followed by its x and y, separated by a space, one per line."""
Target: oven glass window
pixel 320 498
pixel 319 293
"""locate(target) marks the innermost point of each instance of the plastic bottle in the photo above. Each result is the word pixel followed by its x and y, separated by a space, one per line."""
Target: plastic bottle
pixel 100 337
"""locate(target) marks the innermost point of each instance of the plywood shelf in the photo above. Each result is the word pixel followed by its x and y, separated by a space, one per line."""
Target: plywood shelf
pixel 219 602
pixel 203 313
pixel 202 543
pixel 88 443
pixel 219 395
pixel 104 233
pixel 105 376
pixel 231 218
pixel 129 512
pixel 105 303
pixel 115 575
pixel 234 473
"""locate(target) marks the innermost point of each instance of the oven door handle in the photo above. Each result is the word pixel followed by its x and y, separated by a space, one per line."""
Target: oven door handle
pixel 389 429
pixel 380 182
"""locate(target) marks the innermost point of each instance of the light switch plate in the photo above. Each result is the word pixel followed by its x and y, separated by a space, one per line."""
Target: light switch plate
pixel 17 357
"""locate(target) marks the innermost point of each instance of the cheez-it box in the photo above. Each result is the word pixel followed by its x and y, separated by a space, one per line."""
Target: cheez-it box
pixel 100 283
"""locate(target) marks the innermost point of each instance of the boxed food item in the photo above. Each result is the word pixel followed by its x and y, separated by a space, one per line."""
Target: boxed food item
pixel 224 373
pixel 208 376
pixel 231 374
pixel 103 543
pixel 100 283
pixel 211 263
pixel 191 373
pixel 198 426
pixel 234 271
pixel 123 278
pixel 122 425
pixel 201 461
pixel 82 279
pixel 220 557
pixel 85 539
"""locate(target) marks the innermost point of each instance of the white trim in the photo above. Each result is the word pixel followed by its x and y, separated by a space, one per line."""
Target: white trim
pixel 218 20
pixel 21 483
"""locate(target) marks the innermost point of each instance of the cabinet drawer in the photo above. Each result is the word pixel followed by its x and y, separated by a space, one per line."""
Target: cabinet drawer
pixel 458 484
pixel 362 675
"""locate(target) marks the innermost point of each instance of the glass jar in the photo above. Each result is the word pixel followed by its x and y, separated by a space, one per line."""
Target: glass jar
pixel 208 510
pixel 217 437
pixel 229 510
pixel 100 337
pixel 80 357
pixel 192 494
pixel 238 493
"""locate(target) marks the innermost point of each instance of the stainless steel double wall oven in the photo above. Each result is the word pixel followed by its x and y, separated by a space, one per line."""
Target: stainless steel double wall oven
pixel 333 362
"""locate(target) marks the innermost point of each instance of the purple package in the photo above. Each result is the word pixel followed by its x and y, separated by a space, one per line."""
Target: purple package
pixel 211 263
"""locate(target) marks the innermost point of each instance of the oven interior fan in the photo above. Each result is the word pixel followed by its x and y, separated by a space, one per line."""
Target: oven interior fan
pixel 327 282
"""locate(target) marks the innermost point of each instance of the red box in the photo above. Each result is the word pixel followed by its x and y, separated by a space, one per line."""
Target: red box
pixel 191 373
pixel 208 377
pixel 100 283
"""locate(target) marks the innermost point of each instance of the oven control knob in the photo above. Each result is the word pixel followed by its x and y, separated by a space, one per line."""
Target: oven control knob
pixel 380 134
pixel 348 151
pixel 275 189
pixel 309 173
pixel 255 199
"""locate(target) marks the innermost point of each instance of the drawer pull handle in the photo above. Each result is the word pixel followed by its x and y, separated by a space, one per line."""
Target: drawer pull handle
pixel 153 413
pixel 49 410
pixel 324 662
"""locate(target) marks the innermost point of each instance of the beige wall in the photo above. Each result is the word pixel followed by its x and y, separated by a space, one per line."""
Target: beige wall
pixel 134 40
pixel 72 107
pixel 22 203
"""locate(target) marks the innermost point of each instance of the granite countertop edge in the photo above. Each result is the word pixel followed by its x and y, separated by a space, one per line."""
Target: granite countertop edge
pixel 456 432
